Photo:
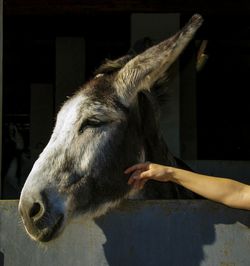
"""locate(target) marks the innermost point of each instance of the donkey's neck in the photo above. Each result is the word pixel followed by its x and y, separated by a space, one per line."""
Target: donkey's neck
pixel 156 151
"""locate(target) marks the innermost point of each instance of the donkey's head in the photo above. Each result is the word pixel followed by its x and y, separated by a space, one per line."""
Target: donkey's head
pixel 96 136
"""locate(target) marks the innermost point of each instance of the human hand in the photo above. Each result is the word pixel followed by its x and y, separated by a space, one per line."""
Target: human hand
pixel 142 172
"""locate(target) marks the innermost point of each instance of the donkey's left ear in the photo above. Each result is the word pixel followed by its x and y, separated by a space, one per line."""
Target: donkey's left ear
pixel 141 72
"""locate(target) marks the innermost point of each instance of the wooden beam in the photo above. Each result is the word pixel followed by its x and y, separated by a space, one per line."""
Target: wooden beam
pixel 73 7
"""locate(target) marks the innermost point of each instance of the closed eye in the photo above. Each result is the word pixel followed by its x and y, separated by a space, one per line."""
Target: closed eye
pixel 92 123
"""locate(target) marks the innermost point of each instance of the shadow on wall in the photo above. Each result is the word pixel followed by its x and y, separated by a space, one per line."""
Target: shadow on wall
pixel 197 233
pixel 148 233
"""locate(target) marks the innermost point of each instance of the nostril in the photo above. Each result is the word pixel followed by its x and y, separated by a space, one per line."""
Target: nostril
pixel 35 210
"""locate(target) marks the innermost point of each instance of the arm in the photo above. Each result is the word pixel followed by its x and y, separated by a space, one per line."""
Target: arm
pixel 227 191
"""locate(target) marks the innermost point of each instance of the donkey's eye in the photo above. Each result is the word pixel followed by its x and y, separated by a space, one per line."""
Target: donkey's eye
pixel 92 123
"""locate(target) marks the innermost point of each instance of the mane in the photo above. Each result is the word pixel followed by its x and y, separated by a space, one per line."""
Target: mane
pixel 111 66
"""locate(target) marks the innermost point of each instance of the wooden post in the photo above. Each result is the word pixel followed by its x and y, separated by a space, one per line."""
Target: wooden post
pixel 70 67
pixel 41 117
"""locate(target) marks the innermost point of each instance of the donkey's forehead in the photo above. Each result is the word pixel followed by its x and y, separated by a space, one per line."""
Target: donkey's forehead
pixel 83 105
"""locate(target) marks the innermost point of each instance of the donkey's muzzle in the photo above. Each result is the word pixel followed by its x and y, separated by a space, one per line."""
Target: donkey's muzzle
pixel 41 217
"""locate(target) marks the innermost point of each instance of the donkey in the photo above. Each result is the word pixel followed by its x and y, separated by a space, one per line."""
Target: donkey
pixel 109 124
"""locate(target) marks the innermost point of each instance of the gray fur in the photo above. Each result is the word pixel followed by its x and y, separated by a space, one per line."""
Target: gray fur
pixel 111 123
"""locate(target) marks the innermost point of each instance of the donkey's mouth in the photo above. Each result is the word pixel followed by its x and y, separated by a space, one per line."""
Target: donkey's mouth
pixel 48 234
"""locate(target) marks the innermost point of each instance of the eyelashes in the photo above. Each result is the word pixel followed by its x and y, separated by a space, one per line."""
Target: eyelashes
pixel 91 123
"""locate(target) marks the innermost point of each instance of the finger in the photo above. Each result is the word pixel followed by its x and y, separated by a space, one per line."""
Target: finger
pixel 134 176
pixel 145 175
pixel 137 184
pixel 139 166
pixel 133 168
pixel 142 183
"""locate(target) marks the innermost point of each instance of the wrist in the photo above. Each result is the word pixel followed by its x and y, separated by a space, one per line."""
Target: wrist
pixel 170 173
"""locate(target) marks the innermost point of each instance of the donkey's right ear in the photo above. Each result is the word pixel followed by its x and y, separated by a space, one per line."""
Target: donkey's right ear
pixel 144 70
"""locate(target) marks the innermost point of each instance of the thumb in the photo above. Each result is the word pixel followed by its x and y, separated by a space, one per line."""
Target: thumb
pixel 143 175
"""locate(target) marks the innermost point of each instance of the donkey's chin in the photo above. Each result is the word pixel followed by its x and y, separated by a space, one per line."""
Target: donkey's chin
pixel 50 232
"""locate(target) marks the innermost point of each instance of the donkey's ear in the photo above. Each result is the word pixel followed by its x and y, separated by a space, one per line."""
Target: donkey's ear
pixel 144 70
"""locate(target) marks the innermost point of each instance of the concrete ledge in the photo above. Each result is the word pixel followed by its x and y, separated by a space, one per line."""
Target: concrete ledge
pixel 193 232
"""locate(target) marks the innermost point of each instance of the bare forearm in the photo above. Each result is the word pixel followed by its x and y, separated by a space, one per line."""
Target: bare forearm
pixel 223 190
